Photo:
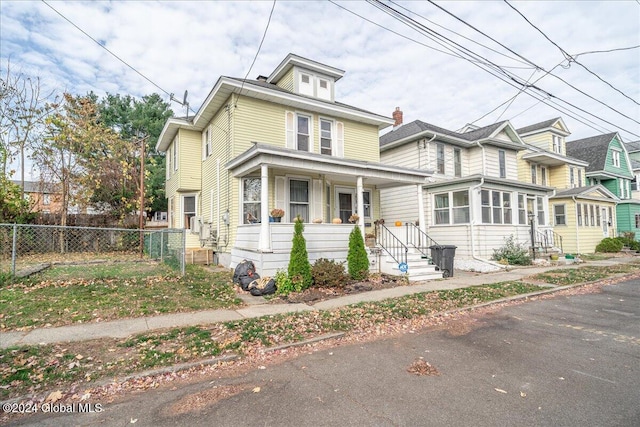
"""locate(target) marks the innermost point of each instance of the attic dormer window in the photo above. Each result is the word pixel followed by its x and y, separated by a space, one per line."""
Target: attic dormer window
pixel 305 86
pixel 557 144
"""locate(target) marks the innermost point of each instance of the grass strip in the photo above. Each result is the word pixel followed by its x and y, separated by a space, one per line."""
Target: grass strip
pixel 32 368
pixel 76 294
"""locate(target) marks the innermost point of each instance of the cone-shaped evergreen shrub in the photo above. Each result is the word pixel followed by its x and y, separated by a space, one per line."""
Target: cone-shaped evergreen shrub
pixel 357 261
pixel 299 268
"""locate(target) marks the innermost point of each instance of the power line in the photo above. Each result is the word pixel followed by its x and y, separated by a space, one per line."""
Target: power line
pixel 264 35
pixel 397 33
pixel 460 35
pixel 608 50
pixel 537 66
pixel 503 75
pixel 105 48
pixel 567 55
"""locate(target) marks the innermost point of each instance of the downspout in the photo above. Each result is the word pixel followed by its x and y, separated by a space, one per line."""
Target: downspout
pixel 575 207
pixel 425 144
pixel 471 225
pixel 218 198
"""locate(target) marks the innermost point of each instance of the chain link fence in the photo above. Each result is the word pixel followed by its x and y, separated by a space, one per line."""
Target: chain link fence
pixel 25 247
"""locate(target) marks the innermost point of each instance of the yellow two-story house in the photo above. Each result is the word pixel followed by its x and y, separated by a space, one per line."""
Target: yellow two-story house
pixel 277 142
pixel 582 214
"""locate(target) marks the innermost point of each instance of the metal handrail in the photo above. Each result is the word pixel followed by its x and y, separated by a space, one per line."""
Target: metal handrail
pixel 419 239
pixel 391 244
pixel 557 237
pixel 542 240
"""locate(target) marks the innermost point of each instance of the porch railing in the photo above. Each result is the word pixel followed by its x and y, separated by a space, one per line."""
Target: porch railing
pixel 391 244
pixel 542 241
pixel 419 240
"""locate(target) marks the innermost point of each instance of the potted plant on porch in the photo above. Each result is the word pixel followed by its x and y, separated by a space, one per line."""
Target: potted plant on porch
pixel 276 215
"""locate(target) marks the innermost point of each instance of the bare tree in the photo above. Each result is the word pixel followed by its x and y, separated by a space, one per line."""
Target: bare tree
pixel 23 109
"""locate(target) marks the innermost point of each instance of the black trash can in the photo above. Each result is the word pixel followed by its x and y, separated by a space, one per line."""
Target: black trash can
pixel 442 256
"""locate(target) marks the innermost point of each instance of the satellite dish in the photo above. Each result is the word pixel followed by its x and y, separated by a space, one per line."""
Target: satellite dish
pixel 184 100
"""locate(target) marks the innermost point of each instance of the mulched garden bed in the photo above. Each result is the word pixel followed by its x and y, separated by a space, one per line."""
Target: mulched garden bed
pixel 314 294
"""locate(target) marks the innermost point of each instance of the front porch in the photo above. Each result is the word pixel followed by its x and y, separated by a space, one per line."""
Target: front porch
pixel 329 241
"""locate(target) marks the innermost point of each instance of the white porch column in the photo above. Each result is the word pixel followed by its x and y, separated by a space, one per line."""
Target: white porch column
pixel 265 243
pixel 360 207
pixel 421 217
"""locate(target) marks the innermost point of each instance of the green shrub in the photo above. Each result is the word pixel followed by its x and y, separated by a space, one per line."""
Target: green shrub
pixel 512 252
pixel 628 239
pixel 284 284
pixel 328 273
pixel 299 268
pixel 609 244
pixel 357 260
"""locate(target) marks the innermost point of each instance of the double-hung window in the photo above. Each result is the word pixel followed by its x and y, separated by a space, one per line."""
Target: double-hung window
pixel 579 213
pixel 460 207
pixel 441 208
pixel 303 132
pixel 251 191
pixel 557 144
pixel 502 163
pixel 559 214
pixel 299 199
pixel 188 209
pixel 615 157
pixel 326 136
pixel 206 144
pixel 543 175
pixel 522 210
pixel 534 177
pixel 540 210
pixel 175 155
pixel 457 162
pixel 497 207
pixel 440 158
pixel 572 177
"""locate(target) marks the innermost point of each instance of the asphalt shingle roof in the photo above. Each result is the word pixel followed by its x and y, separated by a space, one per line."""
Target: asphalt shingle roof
pixel 418 126
pixel 592 150
pixel 632 146
pixel 537 126
pixel 272 86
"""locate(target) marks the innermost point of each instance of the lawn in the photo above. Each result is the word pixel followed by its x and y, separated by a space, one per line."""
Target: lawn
pixel 571 276
pixel 30 368
pixel 64 295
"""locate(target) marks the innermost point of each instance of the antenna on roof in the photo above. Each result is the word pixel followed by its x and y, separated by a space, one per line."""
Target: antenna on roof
pixel 184 102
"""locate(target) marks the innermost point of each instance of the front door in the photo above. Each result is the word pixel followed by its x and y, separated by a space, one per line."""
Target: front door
pixel 346 204
pixel 605 223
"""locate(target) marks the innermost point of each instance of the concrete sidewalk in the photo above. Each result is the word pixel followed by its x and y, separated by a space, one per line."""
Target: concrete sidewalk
pixel 257 307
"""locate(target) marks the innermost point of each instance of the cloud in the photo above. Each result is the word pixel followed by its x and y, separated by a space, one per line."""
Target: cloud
pixel 188 45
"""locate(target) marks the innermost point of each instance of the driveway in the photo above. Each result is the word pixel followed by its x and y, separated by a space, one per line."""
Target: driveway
pixel 562 361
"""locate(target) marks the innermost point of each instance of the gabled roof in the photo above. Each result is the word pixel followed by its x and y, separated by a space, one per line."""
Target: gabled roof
pixel 584 192
pixel 632 147
pixel 295 60
pixel 419 129
pixel 225 86
pixel 547 125
pixel 550 158
pixel 593 150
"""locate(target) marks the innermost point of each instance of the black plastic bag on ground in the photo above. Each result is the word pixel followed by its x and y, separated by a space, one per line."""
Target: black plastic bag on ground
pixel 263 286
pixel 244 274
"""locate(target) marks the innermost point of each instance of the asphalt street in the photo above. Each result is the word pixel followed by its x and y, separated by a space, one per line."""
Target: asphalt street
pixel 564 361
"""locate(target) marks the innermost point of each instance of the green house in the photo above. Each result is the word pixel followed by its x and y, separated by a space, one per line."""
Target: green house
pixel 611 166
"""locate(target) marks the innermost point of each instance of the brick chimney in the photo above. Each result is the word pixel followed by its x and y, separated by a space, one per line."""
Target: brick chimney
pixel 397 116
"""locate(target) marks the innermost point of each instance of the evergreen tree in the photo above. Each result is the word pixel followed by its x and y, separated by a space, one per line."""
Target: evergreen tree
pixel 299 267
pixel 357 261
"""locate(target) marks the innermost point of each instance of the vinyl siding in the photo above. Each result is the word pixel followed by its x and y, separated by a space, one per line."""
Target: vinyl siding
pixel 255 120
pixel 540 140
pixel 624 168
pixel 399 204
pixel 189 160
pixel 625 215
pixel 581 239
pixel 559 177
pixel 409 155
pixel 475 161
pixel 493 164
pixel 360 141
pixel 286 82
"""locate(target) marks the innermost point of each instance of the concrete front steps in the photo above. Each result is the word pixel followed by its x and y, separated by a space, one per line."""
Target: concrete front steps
pixel 419 268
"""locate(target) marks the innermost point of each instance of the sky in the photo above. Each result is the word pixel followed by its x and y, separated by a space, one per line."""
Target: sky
pixel 173 46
